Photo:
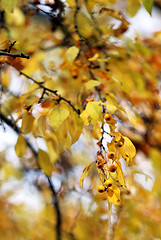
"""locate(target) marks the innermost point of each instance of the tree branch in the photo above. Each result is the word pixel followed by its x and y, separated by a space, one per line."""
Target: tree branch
pixel 14 55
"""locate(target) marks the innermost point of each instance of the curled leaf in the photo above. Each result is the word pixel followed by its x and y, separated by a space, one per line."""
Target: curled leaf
pixel 85 173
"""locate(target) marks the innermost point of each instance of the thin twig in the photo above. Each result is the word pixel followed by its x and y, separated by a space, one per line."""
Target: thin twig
pixel 14 55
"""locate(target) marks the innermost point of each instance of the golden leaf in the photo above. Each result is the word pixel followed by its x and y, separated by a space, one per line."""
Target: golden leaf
pixel 21 145
pixel 128 150
pixel 113 194
pixel 91 84
pixel 27 122
pixel 72 53
pixel 85 173
pixel 45 163
pixel 92 113
pixel 57 116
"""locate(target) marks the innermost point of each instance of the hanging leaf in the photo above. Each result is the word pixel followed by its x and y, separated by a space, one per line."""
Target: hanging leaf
pixel 113 194
pixel 41 123
pixel 128 150
pixel 27 122
pixel 85 173
pixel 57 116
pixel 45 163
pixel 72 53
pixel 92 113
pixel 21 145
pixel 8 5
pixel 119 174
pixel 148 4
pixel 91 84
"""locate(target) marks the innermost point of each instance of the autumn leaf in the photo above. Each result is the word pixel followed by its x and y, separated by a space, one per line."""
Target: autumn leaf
pixel 72 53
pixel 85 173
pixel 57 116
pixel 27 122
pixel 45 163
pixel 91 84
pixel 113 194
pixel 8 5
pixel 92 113
pixel 128 150
pixel 21 145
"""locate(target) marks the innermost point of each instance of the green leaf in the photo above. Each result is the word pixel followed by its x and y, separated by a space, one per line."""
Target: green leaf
pixel 44 162
pixel 57 116
pixel 148 4
pixel 20 147
pixel 72 53
pixel 8 5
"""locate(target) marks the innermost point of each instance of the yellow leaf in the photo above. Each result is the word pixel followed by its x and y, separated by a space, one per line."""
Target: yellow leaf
pixel 44 162
pixel 113 194
pixel 119 174
pixel 92 113
pixel 128 150
pixel 72 53
pixel 52 144
pixel 91 84
pixel 16 18
pixel 20 147
pixel 8 5
pixel 111 108
pixel 85 173
pixel 57 116
pixel 116 135
pixel 71 3
pixel 27 122
pixel 41 123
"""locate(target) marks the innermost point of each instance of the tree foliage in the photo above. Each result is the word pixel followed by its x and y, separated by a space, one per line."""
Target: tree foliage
pixel 84 102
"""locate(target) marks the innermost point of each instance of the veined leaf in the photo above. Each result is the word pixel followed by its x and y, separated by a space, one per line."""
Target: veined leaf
pixel 72 53
pixel 85 173
pixel 57 116
pixel 21 145
pixel 45 163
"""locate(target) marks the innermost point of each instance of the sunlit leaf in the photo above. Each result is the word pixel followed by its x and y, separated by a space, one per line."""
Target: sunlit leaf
pixel 8 5
pixel 113 194
pixel 119 173
pixel 45 163
pixel 91 84
pixel 21 145
pixel 128 150
pixel 41 123
pixel 57 116
pixel 92 113
pixel 85 173
pixel 72 53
